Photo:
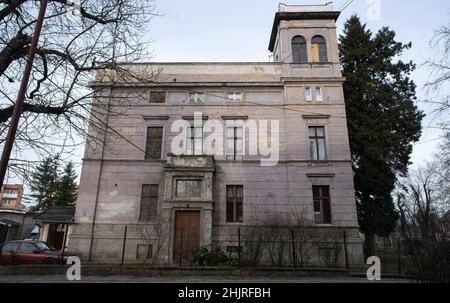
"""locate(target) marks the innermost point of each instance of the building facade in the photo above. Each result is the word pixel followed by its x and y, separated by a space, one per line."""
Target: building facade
pixel 216 154
pixel 11 196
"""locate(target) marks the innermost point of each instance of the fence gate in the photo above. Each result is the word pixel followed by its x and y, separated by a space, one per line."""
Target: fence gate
pixel 187 235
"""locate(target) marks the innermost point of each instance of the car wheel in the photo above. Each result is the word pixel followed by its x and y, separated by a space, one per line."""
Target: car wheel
pixel 49 261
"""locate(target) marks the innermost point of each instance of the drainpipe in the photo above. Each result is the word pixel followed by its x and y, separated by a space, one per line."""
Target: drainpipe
pixel 100 174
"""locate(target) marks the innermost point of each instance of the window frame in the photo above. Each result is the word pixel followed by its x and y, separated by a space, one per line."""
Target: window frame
pixel 191 138
pixel 235 218
pixel 308 97
pixel 150 216
pixel 197 95
pixel 235 156
pixel 319 96
pixel 234 99
pixel 147 126
pixel 302 50
pixel 322 199
pixel 321 48
pixel 316 139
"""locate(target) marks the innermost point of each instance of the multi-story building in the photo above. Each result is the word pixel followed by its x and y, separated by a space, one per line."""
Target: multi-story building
pixel 210 154
pixel 11 196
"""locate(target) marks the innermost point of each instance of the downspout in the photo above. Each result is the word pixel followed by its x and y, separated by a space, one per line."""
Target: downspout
pixel 100 174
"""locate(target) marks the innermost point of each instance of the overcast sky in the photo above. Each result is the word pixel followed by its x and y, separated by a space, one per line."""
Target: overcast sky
pixel 239 30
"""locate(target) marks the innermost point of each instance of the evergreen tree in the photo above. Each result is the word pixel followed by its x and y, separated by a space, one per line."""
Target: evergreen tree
pixel 67 187
pixel 44 182
pixel 383 121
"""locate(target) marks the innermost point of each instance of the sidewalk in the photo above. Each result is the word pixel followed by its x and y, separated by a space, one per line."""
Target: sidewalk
pixel 187 279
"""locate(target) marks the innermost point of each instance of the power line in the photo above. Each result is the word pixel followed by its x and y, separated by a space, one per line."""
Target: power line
pixel 345 5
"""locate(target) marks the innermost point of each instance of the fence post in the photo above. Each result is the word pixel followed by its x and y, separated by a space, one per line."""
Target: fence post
pixel 66 229
pixel 345 250
pixel 294 257
pixel 239 247
pixel 124 244
pixel 399 256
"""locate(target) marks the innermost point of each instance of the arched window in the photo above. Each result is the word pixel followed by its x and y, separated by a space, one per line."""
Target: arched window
pixel 319 49
pixel 299 50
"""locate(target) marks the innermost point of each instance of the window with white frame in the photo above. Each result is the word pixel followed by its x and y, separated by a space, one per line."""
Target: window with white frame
pixel 8 202
pixel 319 94
pixel 235 144
pixel 194 142
pixel 235 96
pixel 196 98
pixel 11 191
pixel 308 93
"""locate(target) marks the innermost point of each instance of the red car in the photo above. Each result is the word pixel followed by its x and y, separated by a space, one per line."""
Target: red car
pixel 29 252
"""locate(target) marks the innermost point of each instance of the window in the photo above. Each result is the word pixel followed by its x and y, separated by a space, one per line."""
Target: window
pixel 27 248
pixel 157 97
pixel 11 191
pixel 317 143
pixel 149 202
pixel 319 94
pixel 308 93
pixel 189 188
pixel 235 199
pixel 8 202
pixel 9 247
pixel 154 142
pixel 321 200
pixel 44 246
pixel 235 150
pixel 319 49
pixel 299 54
pixel 196 98
pixel 235 96
pixel 194 142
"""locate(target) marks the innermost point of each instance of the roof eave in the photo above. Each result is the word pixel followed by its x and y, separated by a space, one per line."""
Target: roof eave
pixel 331 15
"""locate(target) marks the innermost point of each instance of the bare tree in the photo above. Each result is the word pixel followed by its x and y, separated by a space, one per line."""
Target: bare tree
pixel 78 41
pixel 440 75
pixel 155 235
pixel 423 201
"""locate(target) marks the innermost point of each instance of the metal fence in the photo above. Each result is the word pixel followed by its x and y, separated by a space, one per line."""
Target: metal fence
pixel 258 246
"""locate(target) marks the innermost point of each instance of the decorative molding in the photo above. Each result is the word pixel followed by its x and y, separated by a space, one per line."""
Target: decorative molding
pixel 306 117
pixel 191 117
pixel 234 117
pixel 320 175
pixel 156 117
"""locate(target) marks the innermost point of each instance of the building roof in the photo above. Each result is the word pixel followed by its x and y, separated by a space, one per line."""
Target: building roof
pixel 57 214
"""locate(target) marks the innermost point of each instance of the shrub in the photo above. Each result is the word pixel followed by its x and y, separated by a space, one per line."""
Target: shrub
pixel 205 257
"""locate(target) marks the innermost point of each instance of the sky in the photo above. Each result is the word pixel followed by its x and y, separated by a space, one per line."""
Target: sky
pixel 239 30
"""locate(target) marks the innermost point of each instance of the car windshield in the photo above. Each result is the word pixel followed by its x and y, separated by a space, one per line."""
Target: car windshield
pixel 44 246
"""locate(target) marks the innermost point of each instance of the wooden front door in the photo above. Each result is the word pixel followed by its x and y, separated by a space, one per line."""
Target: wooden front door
pixel 187 235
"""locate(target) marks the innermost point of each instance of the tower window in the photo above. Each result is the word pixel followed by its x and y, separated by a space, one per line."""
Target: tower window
pixel 319 49
pixel 299 54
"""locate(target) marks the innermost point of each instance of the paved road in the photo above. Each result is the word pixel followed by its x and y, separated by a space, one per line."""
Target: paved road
pixel 190 279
